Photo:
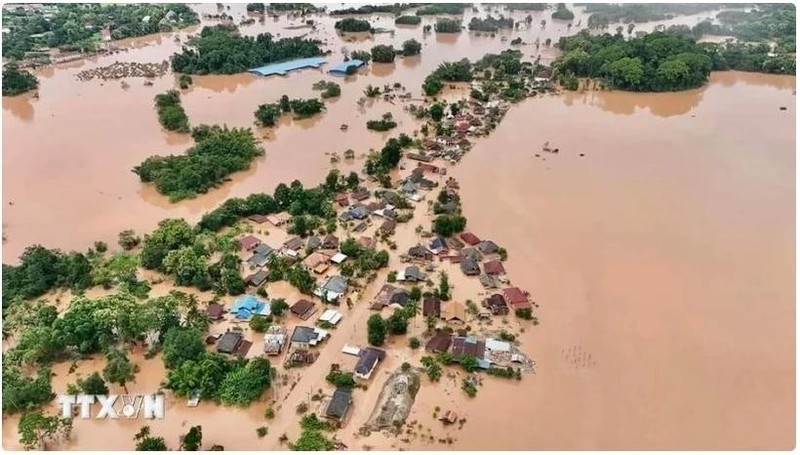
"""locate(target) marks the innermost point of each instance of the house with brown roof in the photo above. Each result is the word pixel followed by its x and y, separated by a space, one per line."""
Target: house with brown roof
pixel 303 309
pixel 420 252
pixel 215 311
pixel 469 238
pixel 314 260
pixel 496 304
pixel 330 242
pixel 469 346
pixel 494 268
pixel 367 242
pixel 360 194
pixel 432 306
pixel 388 227
pixel 516 298
pixel 429 168
pixel 279 219
pixel 453 312
pixel 439 343
pixel 258 219
pixel 248 242
pixel 342 199
pixel 384 297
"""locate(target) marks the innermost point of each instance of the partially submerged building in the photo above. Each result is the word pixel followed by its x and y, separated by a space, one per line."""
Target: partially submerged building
pixel 367 362
pixel 338 409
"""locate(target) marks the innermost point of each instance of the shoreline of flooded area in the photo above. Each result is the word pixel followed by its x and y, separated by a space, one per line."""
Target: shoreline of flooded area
pixel 658 245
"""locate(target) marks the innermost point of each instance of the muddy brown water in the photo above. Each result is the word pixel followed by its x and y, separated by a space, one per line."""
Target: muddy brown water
pixel 662 259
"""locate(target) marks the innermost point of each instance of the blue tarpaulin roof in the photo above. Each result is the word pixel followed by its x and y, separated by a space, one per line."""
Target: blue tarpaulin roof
pixel 247 306
pixel 342 67
pixel 284 67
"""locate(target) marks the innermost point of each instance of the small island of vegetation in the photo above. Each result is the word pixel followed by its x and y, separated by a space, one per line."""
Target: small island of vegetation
pixel 443 8
pixel 460 71
pixel 268 114
pixel 217 153
pixel 384 124
pixel 329 89
pixel 447 26
pixel 383 53
pixel 16 81
pixel 408 20
pixel 490 24
pixel 562 13
pixel 411 47
pixel 350 24
pixel 170 112
pixel 222 50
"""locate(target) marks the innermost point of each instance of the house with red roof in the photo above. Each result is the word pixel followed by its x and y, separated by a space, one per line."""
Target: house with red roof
pixel 516 298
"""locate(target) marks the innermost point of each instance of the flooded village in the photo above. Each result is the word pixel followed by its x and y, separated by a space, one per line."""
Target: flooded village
pixel 613 250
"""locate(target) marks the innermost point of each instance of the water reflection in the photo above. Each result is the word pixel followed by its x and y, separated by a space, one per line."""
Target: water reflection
pixel 410 62
pixel 382 69
pixel 671 103
pixel 20 106
pixel 223 83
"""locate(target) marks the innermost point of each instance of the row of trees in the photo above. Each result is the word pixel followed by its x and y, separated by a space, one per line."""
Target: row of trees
pixel 436 9
pixel 384 124
pixel 170 112
pixel 16 80
pixel 445 25
pixel 268 114
pixel 396 8
pixel 217 153
pixel 490 24
pixel 222 50
pixel 407 20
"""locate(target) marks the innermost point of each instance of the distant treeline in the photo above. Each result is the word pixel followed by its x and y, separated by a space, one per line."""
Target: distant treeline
pixel 396 8
pixel 660 61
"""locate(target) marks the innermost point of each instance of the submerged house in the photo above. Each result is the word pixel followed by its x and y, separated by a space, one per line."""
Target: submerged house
pixel 305 337
pixel 368 361
pixel 248 306
pixel 432 306
pixel 412 274
pixel 257 279
pixel 494 268
pixel 233 343
pixel 437 246
pixel 333 289
pixel 338 408
pixel 470 266
pixel 303 309
pixel 440 342
pixel 516 298
pixel 496 304
pixel 344 68
pixel 274 340
pixel 248 242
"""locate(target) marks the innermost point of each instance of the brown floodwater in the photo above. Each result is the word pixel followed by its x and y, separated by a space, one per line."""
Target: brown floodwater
pixel 68 155
pixel 666 252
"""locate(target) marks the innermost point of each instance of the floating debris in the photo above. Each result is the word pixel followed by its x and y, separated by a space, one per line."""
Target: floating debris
pixel 119 70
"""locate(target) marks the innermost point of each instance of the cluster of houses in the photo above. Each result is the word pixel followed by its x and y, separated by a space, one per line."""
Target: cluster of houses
pixel 488 352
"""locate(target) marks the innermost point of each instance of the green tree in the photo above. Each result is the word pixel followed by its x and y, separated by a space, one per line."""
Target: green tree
pixel 15 80
pixel 145 442
pixel 268 114
pixel 245 385
pixel 93 385
pixel 397 323
pixel 128 239
pixel 171 234
pixel 382 54
pixel 182 344
pixel 118 369
pixel 411 47
pixel 278 307
pixel 449 224
pixel 376 330
pixel 260 323
pixel 193 440
pixel 36 430
pixel 312 440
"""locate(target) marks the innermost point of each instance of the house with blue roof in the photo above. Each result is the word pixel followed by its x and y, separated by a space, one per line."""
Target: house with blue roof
pixel 248 306
pixel 343 68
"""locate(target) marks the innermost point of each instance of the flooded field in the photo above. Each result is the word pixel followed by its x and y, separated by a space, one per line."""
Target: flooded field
pixel 658 243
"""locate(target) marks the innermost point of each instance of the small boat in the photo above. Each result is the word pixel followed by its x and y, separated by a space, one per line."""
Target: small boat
pixel 449 418
pixel 344 127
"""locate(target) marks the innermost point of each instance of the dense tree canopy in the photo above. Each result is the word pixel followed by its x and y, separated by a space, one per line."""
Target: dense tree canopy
pixel 490 24
pixel 40 270
pixel 376 330
pixel 562 13
pixel 77 26
pixel 16 81
pixel 407 20
pixel 351 24
pixel 659 61
pixel 220 152
pixel 436 9
pixel 460 71
pixel 382 53
pixel 171 113
pixel 222 50
pixel 395 8
pixel 445 25
pixel 244 385
pixel 411 47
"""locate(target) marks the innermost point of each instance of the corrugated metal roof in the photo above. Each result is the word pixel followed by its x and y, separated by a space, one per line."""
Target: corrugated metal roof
pixel 284 67
pixel 342 67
